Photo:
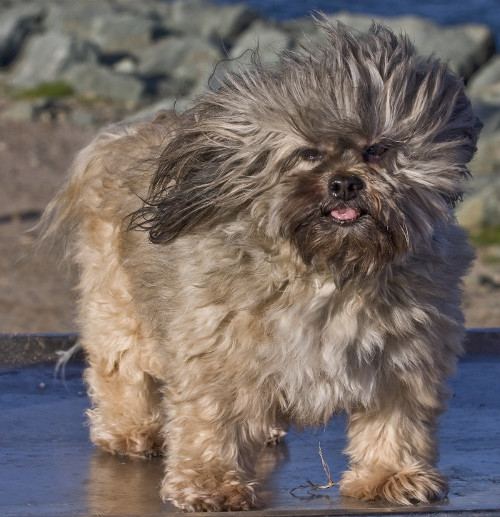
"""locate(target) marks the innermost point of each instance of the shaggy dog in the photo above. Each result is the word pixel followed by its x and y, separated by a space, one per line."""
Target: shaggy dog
pixel 283 251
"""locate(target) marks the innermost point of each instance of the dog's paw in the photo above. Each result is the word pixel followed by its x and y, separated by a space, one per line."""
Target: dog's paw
pixel 125 436
pixel 139 445
pixel 232 497
pixel 414 484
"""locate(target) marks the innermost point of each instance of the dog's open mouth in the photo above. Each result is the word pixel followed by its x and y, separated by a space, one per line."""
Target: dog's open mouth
pixel 345 214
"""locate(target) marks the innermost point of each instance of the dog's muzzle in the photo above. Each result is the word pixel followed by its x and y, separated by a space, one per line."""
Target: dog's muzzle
pixel 345 188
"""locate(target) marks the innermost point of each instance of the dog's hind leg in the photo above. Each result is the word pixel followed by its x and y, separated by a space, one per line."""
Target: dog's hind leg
pixel 122 418
pixel 125 413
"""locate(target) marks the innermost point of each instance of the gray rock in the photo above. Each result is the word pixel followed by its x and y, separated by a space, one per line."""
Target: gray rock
pixel 304 32
pixel 487 107
pixel 15 24
pixel 487 77
pixel 148 8
pixel 121 32
pixel 109 23
pixel 487 159
pixel 46 58
pixel 178 55
pixel 482 208
pixel 102 23
pixel 75 18
pixel 470 213
pixel 466 47
pixel 206 20
pixel 484 91
pixel 149 112
pixel 98 81
pixel 166 87
pixel 263 40
pixel 264 36
pixel 126 65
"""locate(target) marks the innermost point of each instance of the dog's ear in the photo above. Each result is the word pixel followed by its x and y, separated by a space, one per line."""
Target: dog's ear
pixel 210 169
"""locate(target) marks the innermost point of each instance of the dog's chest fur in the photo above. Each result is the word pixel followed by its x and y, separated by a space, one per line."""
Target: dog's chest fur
pixel 310 348
pixel 331 353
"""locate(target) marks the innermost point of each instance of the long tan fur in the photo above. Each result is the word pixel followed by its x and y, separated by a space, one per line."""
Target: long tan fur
pixel 284 251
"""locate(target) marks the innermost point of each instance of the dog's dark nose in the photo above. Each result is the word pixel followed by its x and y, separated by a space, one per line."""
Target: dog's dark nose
pixel 345 187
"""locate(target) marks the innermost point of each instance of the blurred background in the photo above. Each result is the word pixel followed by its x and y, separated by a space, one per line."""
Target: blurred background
pixel 68 68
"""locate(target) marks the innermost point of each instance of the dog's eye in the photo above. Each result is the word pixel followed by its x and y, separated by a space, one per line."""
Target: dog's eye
pixel 374 153
pixel 311 155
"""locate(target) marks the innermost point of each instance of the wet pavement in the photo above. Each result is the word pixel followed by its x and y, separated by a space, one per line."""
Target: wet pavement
pixel 48 467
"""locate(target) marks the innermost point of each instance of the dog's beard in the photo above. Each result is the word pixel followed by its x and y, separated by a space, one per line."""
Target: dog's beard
pixel 352 251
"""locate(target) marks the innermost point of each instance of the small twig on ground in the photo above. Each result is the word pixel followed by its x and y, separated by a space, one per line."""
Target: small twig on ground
pixel 314 486
pixel 64 357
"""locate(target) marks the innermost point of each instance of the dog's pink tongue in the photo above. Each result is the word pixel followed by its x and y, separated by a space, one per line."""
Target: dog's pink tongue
pixel 345 214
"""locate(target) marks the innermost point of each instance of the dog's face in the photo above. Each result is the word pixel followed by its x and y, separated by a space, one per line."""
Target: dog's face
pixel 341 206
pixel 354 153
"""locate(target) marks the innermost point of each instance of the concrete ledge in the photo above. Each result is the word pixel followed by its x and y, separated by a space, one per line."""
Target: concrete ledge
pixel 482 341
pixel 27 349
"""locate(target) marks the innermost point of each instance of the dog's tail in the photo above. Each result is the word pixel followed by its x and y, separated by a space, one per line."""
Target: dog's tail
pixel 113 171
pixel 61 222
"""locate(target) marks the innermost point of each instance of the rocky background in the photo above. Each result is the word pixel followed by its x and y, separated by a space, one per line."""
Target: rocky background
pixel 68 67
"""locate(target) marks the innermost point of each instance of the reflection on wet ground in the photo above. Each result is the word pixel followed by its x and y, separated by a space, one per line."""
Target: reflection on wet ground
pixel 48 467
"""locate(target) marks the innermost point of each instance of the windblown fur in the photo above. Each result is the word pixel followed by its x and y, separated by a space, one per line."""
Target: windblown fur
pixel 284 251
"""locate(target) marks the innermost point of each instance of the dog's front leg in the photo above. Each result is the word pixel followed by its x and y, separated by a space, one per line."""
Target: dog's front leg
pixel 393 450
pixel 211 454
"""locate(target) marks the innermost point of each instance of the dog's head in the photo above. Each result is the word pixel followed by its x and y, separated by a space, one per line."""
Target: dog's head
pixel 355 152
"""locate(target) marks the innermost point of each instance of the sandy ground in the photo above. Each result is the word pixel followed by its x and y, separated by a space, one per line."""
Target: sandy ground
pixel 36 294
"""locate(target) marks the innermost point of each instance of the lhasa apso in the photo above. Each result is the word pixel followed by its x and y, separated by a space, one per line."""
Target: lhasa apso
pixel 283 251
